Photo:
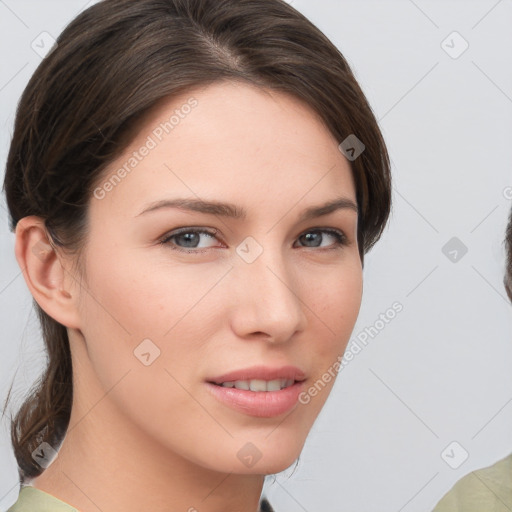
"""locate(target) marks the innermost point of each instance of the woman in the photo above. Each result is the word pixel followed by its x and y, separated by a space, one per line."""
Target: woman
pixel 193 185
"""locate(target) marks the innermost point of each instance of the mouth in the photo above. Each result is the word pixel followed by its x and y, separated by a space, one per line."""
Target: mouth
pixel 259 391
pixel 260 378
pixel 258 384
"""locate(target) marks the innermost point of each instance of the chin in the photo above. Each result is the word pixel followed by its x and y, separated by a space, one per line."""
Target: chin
pixel 266 456
pixel 269 466
pixel 272 467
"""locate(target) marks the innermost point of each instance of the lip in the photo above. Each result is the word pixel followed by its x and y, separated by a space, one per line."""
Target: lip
pixel 261 404
pixel 261 372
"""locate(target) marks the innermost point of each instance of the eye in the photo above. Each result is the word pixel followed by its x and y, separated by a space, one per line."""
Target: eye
pixel 189 238
pixel 314 238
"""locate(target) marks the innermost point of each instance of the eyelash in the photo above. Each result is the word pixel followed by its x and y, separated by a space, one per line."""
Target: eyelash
pixel 341 239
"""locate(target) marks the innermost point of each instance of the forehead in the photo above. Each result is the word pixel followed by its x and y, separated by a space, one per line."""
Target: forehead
pixel 231 141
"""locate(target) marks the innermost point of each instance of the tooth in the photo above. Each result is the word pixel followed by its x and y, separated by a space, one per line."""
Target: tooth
pixel 258 385
pixel 274 385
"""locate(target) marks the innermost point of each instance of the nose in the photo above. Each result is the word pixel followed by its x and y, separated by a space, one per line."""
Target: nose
pixel 267 299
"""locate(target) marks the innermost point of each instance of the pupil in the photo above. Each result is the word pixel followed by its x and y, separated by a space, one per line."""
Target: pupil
pixel 311 237
pixel 189 237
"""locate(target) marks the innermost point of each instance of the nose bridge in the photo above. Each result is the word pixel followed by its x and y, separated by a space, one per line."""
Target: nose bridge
pixel 267 294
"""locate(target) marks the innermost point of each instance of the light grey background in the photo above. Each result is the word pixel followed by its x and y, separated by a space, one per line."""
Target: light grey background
pixel 440 371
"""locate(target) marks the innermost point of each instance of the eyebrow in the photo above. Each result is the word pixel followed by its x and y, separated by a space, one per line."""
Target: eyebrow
pixel 233 211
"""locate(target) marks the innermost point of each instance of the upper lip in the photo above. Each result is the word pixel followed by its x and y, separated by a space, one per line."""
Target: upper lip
pixel 262 373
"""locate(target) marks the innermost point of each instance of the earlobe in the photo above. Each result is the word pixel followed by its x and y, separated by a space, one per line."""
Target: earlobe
pixel 45 272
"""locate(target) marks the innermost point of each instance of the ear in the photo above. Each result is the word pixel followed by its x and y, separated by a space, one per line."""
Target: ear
pixel 47 273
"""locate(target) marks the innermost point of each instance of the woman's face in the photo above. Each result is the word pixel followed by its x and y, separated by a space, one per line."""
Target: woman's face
pixel 175 298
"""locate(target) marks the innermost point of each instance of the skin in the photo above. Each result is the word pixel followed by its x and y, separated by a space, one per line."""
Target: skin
pixel 144 437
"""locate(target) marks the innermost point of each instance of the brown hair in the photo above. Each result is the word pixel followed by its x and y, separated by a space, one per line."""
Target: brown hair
pixel 508 251
pixel 111 65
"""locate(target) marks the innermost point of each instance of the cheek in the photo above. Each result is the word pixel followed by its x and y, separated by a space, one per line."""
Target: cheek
pixel 336 300
pixel 145 295
pixel 127 313
pixel 172 306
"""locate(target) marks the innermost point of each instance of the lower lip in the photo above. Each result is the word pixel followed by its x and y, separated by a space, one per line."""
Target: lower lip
pixel 262 404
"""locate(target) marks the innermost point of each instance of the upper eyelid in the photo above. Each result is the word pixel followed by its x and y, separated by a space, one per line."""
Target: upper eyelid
pixel 215 231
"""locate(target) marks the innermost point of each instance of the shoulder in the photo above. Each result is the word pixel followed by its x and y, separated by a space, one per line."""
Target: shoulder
pixel 31 499
pixel 487 489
